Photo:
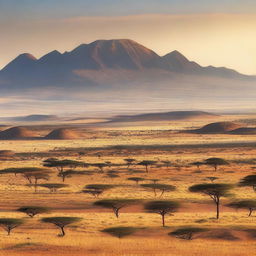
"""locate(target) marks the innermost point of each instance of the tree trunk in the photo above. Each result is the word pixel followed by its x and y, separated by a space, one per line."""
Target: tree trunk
pixel 162 193
pixel 250 212
pixel 62 231
pixel 146 168
pixel 35 186
pixel 163 220
pixel 218 208
pixel 116 211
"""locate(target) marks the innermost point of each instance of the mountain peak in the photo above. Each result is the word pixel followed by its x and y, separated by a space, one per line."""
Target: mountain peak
pixel 115 53
pixel 51 56
pixel 23 61
pixel 179 63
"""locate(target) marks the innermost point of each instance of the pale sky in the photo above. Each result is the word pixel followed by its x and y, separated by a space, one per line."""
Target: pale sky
pixel 219 33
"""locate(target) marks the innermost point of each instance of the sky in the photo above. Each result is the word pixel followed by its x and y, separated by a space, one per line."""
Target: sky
pixel 219 33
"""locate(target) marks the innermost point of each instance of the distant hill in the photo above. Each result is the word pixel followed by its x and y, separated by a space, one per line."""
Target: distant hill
pixel 16 133
pixel 166 116
pixel 244 131
pixel 62 134
pixel 218 127
pixel 35 118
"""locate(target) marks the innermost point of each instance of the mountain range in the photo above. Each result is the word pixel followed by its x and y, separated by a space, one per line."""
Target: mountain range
pixel 119 75
pixel 55 68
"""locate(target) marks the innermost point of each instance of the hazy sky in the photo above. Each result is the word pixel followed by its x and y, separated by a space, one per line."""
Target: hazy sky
pixel 220 32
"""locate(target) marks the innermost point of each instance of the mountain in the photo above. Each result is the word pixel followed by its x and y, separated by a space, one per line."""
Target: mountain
pixel 165 116
pixel 35 118
pixel 179 63
pixel 111 54
pixel 57 69
pixel 119 75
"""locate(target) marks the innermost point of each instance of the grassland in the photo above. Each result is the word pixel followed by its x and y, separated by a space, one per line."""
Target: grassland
pixel 233 234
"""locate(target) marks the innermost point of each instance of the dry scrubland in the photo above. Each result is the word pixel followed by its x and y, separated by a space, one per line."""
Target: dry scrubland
pixel 233 234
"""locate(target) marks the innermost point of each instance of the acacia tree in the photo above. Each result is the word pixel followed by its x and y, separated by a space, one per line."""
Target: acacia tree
pixel 60 165
pixel 197 164
pixel 147 163
pixel 34 177
pixel 53 187
pixel 71 173
pixel 9 224
pixel 101 166
pixel 167 163
pixel 249 205
pixel 32 211
pixel 61 222
pixel 215 191
pixel 129 162
pixel 96 189
pixel 162 187
pixel 115 204
pixel 162 208
pixel 215 162
pixel 248 181
pixel 22 170
pixel 136 179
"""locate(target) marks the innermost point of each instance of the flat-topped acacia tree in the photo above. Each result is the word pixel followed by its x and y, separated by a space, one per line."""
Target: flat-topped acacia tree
pixel 248 181
pixel 23 170
pixel 167 163
pixel 9 224
pixel 215 162
pixel 34 177
pixel 61 222
pixel 136 179
pixel 96 189
pixel 100 166
pixel 162 187
pixel 197 164
pixel 249 205
pixel 53 187
pixel 147 164
pixel 32 211
pixel 129 162
pixel 120 232
pixel 71 173
pixel 60 165
pixel 162 208
pixel 215 191
pixel 115 204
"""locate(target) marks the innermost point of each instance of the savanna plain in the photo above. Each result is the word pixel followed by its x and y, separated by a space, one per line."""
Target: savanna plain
pixel 116 155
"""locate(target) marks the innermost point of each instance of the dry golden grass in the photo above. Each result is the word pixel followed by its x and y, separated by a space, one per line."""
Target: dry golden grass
pixel 85 238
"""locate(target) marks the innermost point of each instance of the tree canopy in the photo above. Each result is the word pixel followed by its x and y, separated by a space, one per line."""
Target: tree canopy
pixel 32 211
pixel 244 204
pixel 215 191
pixel 162 208
pixel 248 181
pixel 10 223
pixel 115 204
pixel 61 222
